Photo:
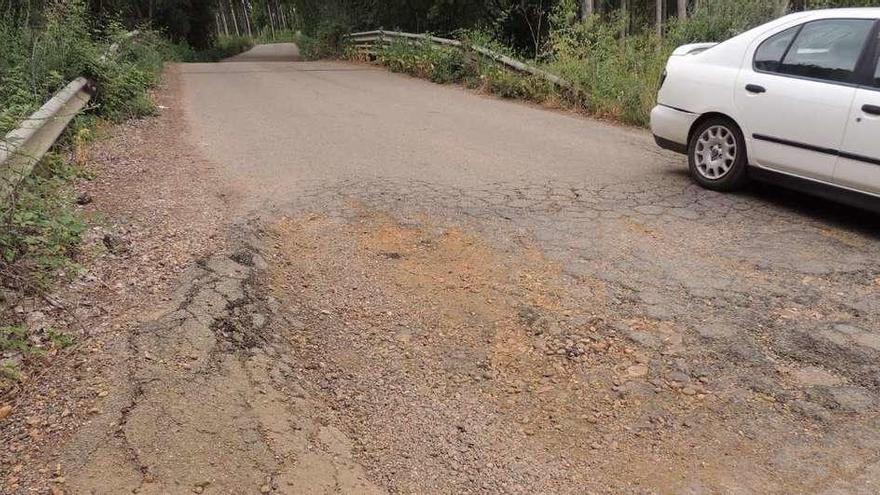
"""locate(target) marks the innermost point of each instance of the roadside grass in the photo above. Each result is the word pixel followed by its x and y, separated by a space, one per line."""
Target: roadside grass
pixel 20 348
pixel 614 68
pixel 449 65
pixel 40 228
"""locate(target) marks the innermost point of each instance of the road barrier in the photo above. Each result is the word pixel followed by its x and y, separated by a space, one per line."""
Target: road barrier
pixel 23 148
pixel 367 41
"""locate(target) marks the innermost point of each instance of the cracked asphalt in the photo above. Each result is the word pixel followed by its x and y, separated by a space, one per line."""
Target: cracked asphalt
pixel 437 291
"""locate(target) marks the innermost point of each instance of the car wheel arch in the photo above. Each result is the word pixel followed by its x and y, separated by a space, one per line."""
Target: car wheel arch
pixel 711 115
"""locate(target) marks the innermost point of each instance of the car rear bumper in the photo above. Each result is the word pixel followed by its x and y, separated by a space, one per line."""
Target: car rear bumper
pixel 671 127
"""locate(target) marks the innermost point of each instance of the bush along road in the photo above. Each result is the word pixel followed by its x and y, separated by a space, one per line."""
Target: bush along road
pixel 330 278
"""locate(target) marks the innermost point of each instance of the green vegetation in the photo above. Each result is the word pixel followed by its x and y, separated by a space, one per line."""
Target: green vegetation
pixel 46 47
pixel 48 43
pixel 612 51
pixel 14 338
pixel 26 347
pixel 38 60
pixel 39 230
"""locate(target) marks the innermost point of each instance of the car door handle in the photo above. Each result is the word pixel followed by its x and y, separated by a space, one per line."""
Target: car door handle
pixel 754 88
pixel 871 109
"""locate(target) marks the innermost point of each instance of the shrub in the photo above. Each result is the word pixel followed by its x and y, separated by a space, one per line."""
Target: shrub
pixel 617 77
pixel 325 41
pixel 39 60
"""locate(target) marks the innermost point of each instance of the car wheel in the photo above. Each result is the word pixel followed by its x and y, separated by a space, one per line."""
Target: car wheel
pixel 717 155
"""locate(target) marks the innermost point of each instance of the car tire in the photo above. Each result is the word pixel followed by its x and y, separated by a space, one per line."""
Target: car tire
pixel 717 155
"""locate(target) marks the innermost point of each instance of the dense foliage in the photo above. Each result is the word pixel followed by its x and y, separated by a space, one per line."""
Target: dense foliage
pixel 526 25
pixel 613 56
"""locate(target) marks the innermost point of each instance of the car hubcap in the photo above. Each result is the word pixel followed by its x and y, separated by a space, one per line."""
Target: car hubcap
pixel 715 152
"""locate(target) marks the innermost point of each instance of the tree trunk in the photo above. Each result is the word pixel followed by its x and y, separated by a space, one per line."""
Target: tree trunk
pixel 586 9
pixel 624 14
pixel 659 4
pixel 283 18
pixel 271 18
pixel 682 9
pixel 247 18
pixel 234 18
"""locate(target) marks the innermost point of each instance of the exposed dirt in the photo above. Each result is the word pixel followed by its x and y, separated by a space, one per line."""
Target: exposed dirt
pixel 461 369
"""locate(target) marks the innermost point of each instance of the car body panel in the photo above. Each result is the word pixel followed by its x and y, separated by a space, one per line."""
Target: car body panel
pixel 793 112
pixel 800 127
pixel 859 163
pixel 672 124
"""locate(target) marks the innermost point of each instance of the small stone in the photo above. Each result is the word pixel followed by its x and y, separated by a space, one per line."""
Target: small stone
pixel 811 376
pixel 116 244
pixel 5 411
pixel 678 376
pixel 102 393
pixel 637 370
pixel 84 199
pixel 689 391
pixel 265 489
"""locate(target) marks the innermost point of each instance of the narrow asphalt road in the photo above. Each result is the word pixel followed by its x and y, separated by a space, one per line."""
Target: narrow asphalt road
pixel 439 291
pixel 300 123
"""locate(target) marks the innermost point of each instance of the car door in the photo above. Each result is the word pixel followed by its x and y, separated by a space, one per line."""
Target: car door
pixel 795 92
pixel 859 164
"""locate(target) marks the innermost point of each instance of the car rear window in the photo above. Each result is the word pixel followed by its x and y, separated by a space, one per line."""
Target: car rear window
pixel 771 51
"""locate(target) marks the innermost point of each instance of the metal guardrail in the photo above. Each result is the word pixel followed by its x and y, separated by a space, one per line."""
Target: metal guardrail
pixel 23 148
pixel 367 41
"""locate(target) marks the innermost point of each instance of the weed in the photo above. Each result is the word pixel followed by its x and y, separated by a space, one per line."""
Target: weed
pixel 39 230
pixel 60 340
pixel 14 339
pixel 11 373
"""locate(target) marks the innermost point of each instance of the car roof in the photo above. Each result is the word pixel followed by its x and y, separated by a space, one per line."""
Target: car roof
pixel 858 13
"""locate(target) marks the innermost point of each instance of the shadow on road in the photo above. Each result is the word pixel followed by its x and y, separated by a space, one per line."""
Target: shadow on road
pixel 806 205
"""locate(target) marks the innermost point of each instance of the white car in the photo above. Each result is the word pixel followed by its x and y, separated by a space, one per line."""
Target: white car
pixel 796 101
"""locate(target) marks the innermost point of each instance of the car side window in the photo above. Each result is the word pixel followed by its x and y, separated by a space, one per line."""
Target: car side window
pixel 828 49
pixel 769 54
